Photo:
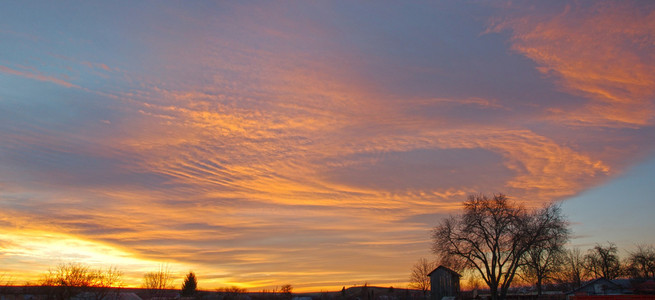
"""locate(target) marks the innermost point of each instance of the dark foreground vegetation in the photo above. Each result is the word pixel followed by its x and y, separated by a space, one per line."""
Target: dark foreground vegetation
pixel 232 293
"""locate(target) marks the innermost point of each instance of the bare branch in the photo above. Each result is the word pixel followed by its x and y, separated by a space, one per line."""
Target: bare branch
pixel 493 235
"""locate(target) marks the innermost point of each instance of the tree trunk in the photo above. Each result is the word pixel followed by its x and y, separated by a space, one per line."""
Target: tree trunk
pixel 538 286
pixel 503 293
pixel 494 293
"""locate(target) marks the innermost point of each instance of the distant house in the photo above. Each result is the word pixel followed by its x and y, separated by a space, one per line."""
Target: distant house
pixel 596 287
pixel 444 282
pixel 644 287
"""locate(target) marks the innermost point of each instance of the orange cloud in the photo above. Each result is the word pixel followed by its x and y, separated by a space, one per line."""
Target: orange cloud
pixel 604 52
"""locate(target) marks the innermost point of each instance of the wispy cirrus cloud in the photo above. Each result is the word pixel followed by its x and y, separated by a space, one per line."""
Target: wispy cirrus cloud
pixel 602 51
pixel 37 76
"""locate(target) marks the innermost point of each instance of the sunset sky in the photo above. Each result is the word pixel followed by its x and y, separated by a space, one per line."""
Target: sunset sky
pixel 313 143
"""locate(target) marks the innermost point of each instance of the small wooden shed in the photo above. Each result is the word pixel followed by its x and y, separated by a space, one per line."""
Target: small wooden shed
pixel 444 282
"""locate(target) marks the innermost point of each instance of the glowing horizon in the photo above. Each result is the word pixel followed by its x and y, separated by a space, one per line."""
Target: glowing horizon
pixel 312 144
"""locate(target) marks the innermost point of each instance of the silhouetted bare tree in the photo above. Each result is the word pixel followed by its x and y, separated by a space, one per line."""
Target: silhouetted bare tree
pixel 419 278
pixel 158 281
pixel 492 236
pixel 541 263
pixel 572 272
pixel 641 262
pixel 67 280
pixel 70 279
pixel 286 291
pixel 106 282
pixel 603 261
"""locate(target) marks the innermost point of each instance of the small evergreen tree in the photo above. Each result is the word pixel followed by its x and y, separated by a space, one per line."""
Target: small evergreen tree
pixel 189 286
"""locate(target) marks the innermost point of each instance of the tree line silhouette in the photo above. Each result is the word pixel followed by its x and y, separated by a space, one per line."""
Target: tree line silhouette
pixel 79 281
pixel 496 241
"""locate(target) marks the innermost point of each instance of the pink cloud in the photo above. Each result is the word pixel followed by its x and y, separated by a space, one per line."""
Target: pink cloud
pixel 38 76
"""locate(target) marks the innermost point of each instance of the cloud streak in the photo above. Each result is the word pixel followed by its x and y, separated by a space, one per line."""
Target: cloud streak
pixel 37 76
pixel 602 51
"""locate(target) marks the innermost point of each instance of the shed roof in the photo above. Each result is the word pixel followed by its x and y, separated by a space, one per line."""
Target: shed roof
pixel 446 269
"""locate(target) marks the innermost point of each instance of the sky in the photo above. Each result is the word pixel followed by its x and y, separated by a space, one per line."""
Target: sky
pixel 313 143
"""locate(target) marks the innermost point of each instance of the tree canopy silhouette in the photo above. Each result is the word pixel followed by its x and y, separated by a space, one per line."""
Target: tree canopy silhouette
pixel 641 262
pixel 158 281
pixel 542 263
pixel 572 273
pixel 68 280
pixel 493 235
pixel 190 284
pixel 603 261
